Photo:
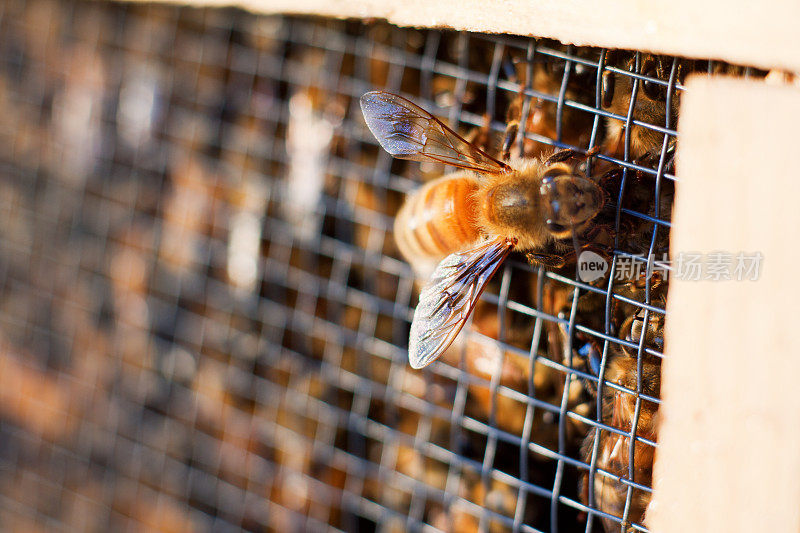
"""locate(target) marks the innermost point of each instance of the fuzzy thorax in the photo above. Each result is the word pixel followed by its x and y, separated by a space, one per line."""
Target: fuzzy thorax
pixel 511 205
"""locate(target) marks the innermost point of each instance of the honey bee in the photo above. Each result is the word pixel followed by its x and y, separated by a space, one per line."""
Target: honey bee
pixel 614 450
pixel 650 104
pixel 615 453
pixel 471 223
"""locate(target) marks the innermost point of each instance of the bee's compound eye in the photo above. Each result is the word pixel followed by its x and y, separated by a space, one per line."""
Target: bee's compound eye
pixel 653 90
pixel 607 88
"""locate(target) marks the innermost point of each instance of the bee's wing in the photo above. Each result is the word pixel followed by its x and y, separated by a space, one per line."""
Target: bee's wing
pixel 407 131
pixel 449 297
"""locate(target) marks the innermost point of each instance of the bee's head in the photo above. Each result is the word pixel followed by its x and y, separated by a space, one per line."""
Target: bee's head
pixel 569 201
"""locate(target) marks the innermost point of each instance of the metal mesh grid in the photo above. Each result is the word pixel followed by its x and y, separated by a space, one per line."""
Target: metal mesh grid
pixel 205 318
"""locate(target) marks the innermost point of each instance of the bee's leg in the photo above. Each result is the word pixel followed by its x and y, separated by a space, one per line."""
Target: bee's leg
pixel 555 261
pixel 647 159
pixel 591 152
pixel 546 259
pixel 554 255
pixel 568 153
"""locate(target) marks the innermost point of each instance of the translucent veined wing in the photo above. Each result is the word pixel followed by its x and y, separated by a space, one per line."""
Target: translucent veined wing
pixel 407 131
pixel 449 297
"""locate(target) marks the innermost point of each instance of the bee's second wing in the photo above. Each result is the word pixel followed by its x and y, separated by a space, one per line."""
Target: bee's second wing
pixel 449 297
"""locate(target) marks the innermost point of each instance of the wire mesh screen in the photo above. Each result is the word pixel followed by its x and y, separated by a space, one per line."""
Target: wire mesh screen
pixel 205 317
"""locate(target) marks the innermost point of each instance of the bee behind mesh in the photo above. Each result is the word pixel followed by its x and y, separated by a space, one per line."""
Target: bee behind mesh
pixel 546 118
pixel 650 104
pixel 616 456
pixel 471 223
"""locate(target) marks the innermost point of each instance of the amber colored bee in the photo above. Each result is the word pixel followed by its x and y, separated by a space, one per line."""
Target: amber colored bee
pixel 614 450
pixel 615 454
pixel 533 205
pixel 650 104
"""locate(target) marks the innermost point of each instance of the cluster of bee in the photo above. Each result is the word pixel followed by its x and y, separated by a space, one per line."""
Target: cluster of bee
pixel 552 205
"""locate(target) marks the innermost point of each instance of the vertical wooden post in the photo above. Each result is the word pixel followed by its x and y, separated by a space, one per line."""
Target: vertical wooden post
pixel 729 456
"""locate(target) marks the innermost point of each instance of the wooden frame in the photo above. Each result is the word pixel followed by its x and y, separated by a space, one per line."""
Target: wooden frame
pixel 748 33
